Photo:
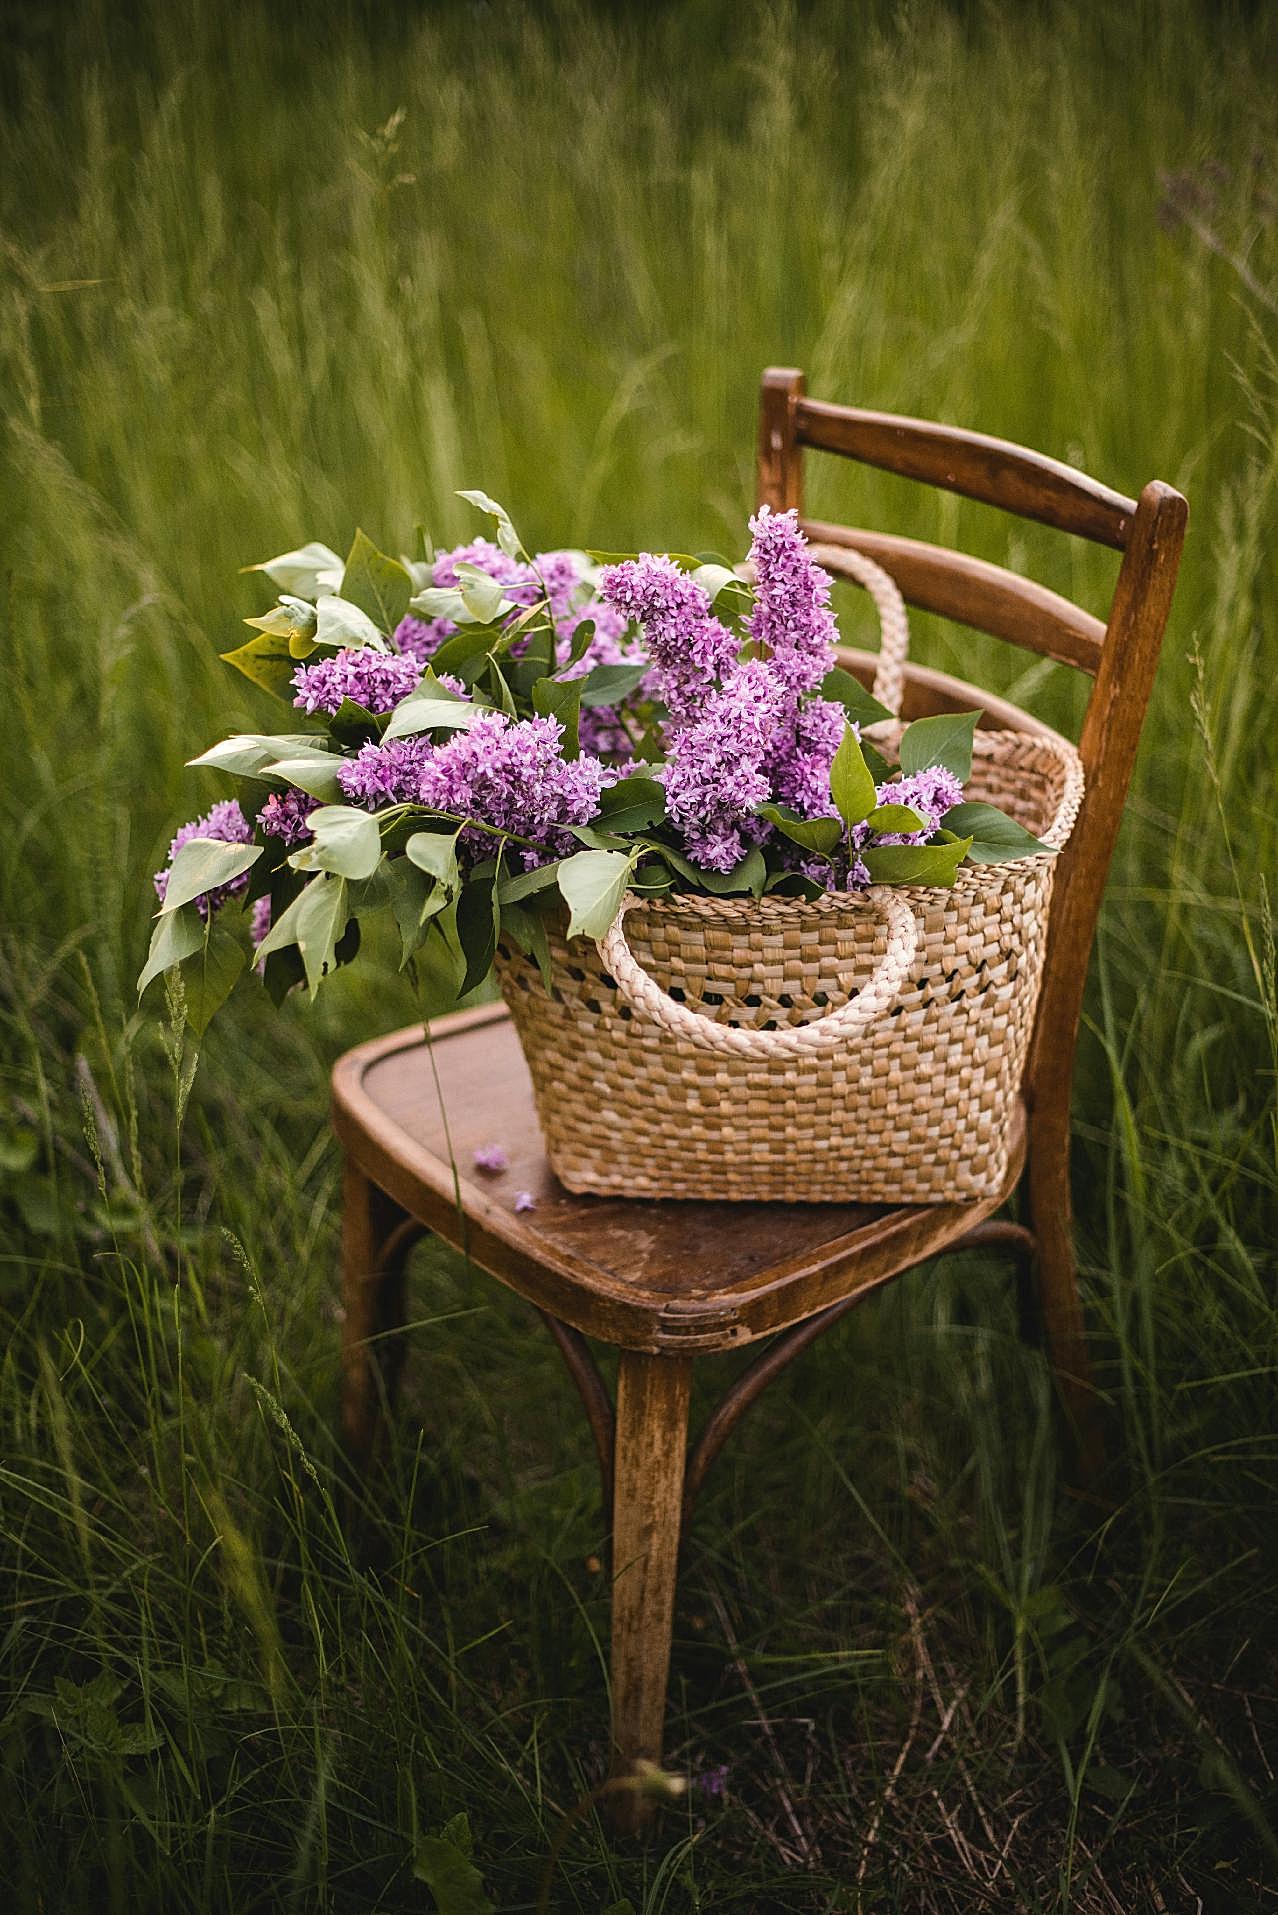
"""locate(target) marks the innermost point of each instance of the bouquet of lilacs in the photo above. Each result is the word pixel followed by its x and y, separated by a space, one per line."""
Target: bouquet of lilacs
pixel 502 736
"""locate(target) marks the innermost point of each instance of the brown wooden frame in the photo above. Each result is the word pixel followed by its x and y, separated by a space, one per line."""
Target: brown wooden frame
pixel 656 1280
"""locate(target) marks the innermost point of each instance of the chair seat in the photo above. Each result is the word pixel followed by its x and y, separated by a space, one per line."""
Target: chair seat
pixel 672 1276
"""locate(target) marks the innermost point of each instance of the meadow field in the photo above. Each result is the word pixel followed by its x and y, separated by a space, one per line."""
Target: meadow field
pixel 271 272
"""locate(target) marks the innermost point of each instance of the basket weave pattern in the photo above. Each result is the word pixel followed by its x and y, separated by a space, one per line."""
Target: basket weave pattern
pixel 913 1108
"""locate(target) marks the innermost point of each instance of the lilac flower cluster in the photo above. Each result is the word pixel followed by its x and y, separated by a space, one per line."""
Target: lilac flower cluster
pixel 690 647
pixel 385 774
pixel 227 824
pixel 510 776
pixel 570 598
pixel 717 773
pixel 421 638
pixel 931 793
pixel 792 615
pixel 803 753
pixel 284 816
pixel 376 680
pixel 760 734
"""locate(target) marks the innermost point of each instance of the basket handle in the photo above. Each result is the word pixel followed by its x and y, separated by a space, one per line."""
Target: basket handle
pixel 894 645
pixel 646 997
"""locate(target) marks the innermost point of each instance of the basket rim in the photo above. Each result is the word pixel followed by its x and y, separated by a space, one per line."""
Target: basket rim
pixel 970 880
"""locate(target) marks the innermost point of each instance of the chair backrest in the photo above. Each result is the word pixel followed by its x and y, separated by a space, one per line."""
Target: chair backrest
pixel 1120 654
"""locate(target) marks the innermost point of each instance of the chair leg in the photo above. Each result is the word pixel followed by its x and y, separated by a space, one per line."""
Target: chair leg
pixel 651 1446
pixel 1056 1279
pixel 376 1237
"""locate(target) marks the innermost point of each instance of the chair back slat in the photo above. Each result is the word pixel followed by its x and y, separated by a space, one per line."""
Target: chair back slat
pixel 991 470
pixel 972 592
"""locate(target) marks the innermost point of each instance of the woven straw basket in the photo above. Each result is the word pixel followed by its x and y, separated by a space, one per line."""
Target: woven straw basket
pixel 866 1047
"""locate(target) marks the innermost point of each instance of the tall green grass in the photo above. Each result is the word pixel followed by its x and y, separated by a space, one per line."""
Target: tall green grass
pixel 247 300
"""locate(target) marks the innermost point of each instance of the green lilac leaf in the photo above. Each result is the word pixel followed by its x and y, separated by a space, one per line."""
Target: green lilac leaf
pixel 352 724
pixel 265 661
pixel 750 874
pixel 561 698
pixel 345 840
pixel 430 710
pixel 315 774
pixel 343 624
pixel 996 838
pixel 465 654
pixel 714 578
pixel 528 930
pixel 896 818
pixel 851 785
pixel 814 834
pixel 483 596
pixel 879 768
pixel 478 927
pixel 321 920
pixel 915 863
pixel 592 885
pixel 250 752
pixel 793 884
pixel 632 804
pixel 202 864
pixel 582 637
pixel 412 893
pixel 507 537
pixel 845 689
pixel 301 572
pixel 686 561
pixel 607 684
pixel 174 938
pixel 437 601
pixel 378 584
pixel 209 975
pixel 943 740
pixel 435 852
pixel 541 878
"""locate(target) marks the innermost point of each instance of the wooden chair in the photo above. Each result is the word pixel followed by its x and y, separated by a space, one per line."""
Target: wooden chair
pixel 667 1282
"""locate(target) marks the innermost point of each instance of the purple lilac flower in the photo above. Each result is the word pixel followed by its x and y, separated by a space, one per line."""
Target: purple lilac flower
pixel 510 776
pixel 524 1200
pixel 376 680
pixel 716 775
pixel 688 644
pixel 421 638
pixel 284 816
pixel 513 776
pixel 493 1158
pixel 792 615
pixel 385 774
pixel 227 824
pixel 930 792
pixel 803 753
pixel 562 579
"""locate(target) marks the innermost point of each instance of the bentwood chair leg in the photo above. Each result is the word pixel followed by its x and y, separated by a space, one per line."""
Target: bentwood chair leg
pixel 651 1445
pixel 1056 1274
pixel 376 1236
